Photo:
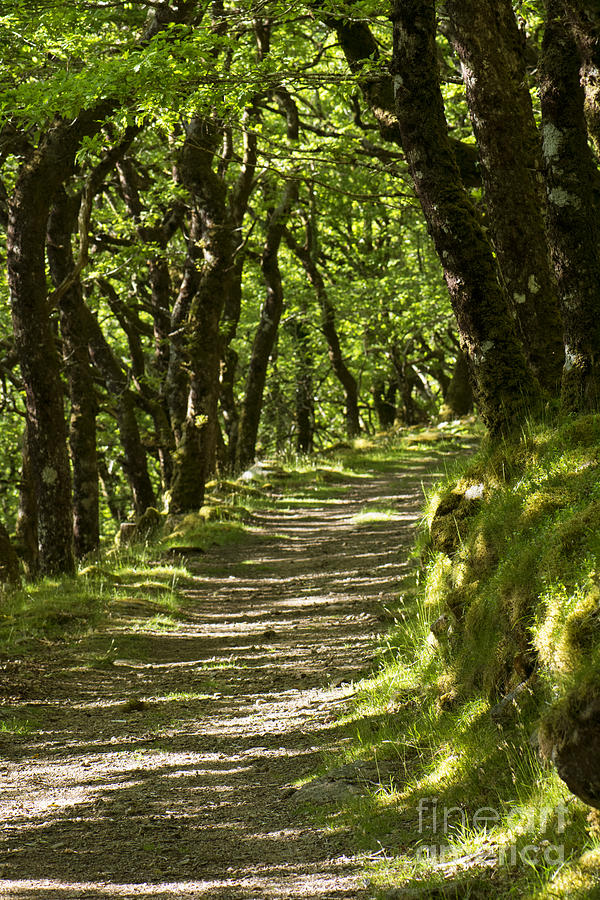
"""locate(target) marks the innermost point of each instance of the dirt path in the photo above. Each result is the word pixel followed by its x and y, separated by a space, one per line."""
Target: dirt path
pixel 187 793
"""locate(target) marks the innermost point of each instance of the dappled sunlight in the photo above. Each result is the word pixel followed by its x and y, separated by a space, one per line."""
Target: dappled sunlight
pixel 167 767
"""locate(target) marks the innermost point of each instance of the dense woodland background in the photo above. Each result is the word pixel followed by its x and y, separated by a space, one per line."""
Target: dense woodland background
pixel 234 227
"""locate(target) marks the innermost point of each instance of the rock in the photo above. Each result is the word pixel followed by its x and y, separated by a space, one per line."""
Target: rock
pixel 510 705
pixel 441 627
pixel 324 791
pixel 126 533
pixel 474 492
pixel 140 530
pixel 448 700
pixel 574 748
pixel 449 521
pixel 134 704
pixel 343 783
pixel 148 522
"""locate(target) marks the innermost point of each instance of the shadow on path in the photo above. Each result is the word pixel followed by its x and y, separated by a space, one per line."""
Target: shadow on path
pixel 188 795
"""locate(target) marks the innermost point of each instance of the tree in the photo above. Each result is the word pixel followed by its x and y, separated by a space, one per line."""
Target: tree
pixel 266 332
pixel 492 53
pixel 572 181
pixel 505 386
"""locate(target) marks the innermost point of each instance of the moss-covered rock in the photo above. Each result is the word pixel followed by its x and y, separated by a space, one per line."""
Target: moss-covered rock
pixel 570 738
pixel 142 529
pixel 449 524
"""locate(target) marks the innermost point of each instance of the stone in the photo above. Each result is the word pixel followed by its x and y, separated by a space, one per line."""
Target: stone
pixel 575 751
pixel 343 783
pixel 449 521
pixel 140 530
pixel 510 705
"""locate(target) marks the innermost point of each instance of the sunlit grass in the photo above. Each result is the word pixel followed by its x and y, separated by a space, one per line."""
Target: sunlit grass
pixel 16 726
pixel 468 808
pixel 376 515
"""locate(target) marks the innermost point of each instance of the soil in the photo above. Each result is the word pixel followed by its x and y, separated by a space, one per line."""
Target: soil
pixel 163 760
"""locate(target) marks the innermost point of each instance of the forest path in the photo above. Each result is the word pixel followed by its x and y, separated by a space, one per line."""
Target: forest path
pixel 184 791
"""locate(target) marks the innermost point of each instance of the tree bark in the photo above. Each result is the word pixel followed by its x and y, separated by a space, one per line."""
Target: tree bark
pixel 584 20
pixel 238 206
pixel 203 293
pixel 361 50
pixel 82 393
pixel 27 516
pixel 328 326
pixel 384 400
pixel 491 49
pixel 572 213
pixel 136 464
pixel 9 561
pixel 45 169
pixel 505 385
pixel 459 396
pixel 304 392
pixel 159 278
pixel 266 332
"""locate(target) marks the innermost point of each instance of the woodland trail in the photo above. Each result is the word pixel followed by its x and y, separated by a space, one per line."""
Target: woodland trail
pixel 185 790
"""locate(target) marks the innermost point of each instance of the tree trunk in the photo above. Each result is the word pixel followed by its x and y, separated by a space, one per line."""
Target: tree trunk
pixel 384 400
pixel 266 332
pixel 338 364
pixel 108 483
pixel 204 296
pixel 27 517
pixel 304 393
pixel 233 302
pixel 362 52
pixel 505 385
pixel 159 278
pixel 571 179
pixel 82 394
pixel 584 19
pixel 136 464
pixel 490 46
pixel 9 561
pixel 459 396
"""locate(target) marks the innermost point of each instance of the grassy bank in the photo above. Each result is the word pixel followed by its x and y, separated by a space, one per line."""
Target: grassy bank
pixel 492 672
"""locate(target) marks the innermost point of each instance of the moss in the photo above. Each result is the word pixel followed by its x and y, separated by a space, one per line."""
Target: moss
pixel 571 538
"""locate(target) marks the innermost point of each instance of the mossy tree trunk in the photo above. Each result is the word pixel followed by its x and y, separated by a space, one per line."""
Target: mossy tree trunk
pixel 491 49
pixel 266 332
pixel 362 50
pixel 157 236
pixel 77 364
pixel 115 378
pixel 504 383
pixel 584 20
pixel 572 211
pixel 27 517
pixel 45 169
pixel 384 401
pixel 9 561
pixel 238 205
pixel 205 286
pixel 459 396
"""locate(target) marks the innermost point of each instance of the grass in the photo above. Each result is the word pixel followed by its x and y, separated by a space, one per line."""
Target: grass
pixel 471 806
pixel 376 514
pixel 15 726
pixel 467 805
